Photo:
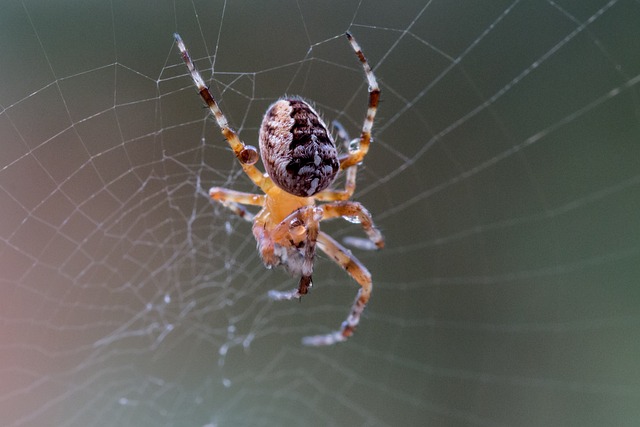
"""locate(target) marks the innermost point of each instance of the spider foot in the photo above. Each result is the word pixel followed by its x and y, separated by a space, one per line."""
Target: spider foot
pixel 303 289
pixel 363 244
pixel 322 340
pixel 346 330
pixel 284 295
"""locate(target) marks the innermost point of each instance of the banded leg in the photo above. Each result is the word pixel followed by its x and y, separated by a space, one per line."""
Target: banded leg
pixel 360 274
pixel 354 212
pixel 351 171
pixel 233 200
pixel 247 155
pixel 300 228
pixel 356 156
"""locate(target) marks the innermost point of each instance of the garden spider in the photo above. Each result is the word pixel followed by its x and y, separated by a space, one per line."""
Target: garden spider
pixel 301 162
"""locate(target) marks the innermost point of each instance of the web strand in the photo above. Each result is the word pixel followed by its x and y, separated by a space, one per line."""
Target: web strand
pixel 503 173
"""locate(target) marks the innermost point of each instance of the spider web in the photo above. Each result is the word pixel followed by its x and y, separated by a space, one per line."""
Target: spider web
pixel 505 175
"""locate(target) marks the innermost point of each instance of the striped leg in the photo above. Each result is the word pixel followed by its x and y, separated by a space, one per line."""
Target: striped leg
pixel 233 200
pixel 356 156
pixel 350 172
pixel 356 213
pixel 360 274
pixel 247 155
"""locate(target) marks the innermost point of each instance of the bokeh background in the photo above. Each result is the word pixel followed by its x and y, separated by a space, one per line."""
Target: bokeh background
pixel 505 175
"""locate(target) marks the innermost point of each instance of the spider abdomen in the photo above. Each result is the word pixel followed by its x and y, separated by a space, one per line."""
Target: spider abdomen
pixel 297 149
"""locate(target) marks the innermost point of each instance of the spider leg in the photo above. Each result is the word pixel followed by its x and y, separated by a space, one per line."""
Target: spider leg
pixel 247 155
pixel 360 274
pixel 358 148
pixel 354 212
pixel 356 156
pixel 351 171
pixel 299 229
pixel 233 200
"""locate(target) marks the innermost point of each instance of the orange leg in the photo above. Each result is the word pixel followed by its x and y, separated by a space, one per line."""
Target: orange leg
pixel 350 172
pixel 360 274
pixel 246 154
pixel 354 212
pixel 356 156
pixel 232 200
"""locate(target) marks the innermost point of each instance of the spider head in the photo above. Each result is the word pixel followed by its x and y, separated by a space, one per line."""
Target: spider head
pixel 297 149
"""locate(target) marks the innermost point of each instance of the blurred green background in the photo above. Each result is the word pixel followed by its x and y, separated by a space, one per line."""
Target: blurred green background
pixel 505 175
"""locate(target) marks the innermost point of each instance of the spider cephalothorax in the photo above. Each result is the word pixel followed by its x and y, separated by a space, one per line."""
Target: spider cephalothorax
pixel 301 162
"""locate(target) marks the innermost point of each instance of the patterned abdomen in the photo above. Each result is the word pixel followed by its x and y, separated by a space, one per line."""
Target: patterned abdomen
pixel 297 149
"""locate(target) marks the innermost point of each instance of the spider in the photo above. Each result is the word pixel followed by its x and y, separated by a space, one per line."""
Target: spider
pixel 301 162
